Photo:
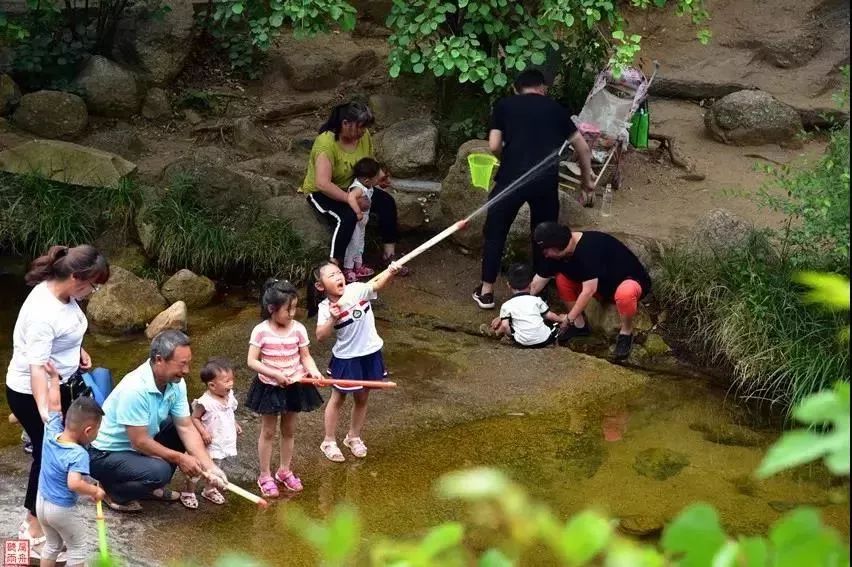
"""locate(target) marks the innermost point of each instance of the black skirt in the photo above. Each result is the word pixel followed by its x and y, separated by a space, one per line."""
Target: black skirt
pixel 269 400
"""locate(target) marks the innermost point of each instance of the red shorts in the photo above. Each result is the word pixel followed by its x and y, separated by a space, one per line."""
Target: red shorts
pixel 626 297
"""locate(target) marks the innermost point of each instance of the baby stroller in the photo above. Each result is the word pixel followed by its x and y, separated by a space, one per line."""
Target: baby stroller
pixel 604 123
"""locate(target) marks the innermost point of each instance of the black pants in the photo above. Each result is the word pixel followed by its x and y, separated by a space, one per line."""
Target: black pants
pixel 542 196
pixel 342 219
pixel 128 475
pixel 24 408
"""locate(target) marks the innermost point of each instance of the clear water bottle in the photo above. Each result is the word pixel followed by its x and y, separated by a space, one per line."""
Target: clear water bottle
pixel 606 201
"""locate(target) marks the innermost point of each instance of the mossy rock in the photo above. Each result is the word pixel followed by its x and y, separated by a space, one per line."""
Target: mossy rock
pixel 131 258
pixel 581 454
pixel 728 434
pixel 655 346
pixel 641 525
pixel 660 464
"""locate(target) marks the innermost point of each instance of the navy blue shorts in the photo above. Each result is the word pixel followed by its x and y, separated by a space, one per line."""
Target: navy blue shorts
pixel 367 367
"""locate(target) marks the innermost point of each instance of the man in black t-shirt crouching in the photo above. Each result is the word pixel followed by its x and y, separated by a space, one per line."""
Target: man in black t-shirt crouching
pixel 591 264
pixel 525 129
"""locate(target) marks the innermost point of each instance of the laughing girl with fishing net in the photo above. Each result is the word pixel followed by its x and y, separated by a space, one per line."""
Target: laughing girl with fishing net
pixel 347 313
pixel 278 352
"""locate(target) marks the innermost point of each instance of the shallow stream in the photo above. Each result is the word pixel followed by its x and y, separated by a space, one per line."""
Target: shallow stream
pixel 639 454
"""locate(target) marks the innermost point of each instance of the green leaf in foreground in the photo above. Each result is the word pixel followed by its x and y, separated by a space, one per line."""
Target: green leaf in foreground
pixel 695 536
pixel 828 408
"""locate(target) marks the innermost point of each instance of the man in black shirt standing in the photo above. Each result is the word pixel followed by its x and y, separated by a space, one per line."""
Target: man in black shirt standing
pixel 525 129
pixel 591 264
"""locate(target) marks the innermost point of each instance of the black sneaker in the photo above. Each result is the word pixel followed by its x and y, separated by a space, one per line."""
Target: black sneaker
pixel 484 300
pixel 571 331
pixel 623 345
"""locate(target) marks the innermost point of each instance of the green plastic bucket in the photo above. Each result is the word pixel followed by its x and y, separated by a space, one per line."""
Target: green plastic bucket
pixel 481 167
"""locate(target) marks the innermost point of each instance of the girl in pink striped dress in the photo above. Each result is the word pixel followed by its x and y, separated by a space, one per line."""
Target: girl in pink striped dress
pixel 278 352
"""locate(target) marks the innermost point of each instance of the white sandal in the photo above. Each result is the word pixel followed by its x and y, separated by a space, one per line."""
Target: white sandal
pixel 356 445
pixel 332 452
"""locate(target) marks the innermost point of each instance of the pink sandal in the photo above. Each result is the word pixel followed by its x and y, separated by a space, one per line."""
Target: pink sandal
pixel 289 480
pixel 350 275
pixel 364 271
pixel 267 486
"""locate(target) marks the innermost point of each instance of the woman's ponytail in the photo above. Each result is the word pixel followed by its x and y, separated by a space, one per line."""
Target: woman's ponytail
pixel 61 262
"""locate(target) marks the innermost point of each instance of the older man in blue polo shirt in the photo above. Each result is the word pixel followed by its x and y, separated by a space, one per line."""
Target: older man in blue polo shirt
pixel 147 433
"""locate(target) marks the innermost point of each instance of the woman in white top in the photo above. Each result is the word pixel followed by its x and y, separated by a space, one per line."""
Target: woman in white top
pixel 50 327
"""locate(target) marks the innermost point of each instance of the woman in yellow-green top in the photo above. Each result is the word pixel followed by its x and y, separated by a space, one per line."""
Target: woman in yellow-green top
pixel 343 140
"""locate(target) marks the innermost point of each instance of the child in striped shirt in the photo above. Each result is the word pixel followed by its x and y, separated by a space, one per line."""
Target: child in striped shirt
pixel 278 352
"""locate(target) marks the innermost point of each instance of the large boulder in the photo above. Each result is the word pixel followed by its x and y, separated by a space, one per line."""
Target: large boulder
pixel 310 70
pixel 459 198
pixel 52 114
pixel 389 109
pixel 718 231
pixel 793 49
pixel 173 318
pixel 286 166
pixel 411 211
pixel 10 94
pixel 156 105
pixel 154 44
pixel 189 288
pixel 125 304
pixel 108 88
pixel 304 220
pixel 752 117
pixel 220 188
pixel 66 162
pixel 250 138
pixel 362 62
pixel 409 147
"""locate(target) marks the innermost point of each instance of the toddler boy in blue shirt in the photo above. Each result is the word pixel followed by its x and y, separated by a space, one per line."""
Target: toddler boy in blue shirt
pixel 64 464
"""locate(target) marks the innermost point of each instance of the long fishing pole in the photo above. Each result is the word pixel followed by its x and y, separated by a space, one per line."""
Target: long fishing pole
pixel 461 224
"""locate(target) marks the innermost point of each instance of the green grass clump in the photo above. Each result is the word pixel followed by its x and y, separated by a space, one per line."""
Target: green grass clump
pixel 189 234
pixel 741 309
pixel 36 213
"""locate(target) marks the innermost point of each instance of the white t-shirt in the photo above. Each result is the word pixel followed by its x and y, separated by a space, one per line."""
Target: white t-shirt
pixel 221 423
pixel 46 329
pixel 525 314
pixel 356 328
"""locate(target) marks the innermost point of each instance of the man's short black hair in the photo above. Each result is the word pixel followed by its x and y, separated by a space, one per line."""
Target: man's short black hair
pixel 82 412
pixel 530 78
pixel 215 366
pixel 519 276
pixel 552 235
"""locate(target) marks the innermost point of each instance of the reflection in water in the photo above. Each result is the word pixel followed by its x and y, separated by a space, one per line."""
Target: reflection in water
pixel 614 424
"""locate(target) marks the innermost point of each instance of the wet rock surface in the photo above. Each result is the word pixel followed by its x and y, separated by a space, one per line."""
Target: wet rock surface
pixel 660 464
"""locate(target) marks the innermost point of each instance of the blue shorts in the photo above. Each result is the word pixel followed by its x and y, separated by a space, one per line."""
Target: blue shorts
pixel 367 367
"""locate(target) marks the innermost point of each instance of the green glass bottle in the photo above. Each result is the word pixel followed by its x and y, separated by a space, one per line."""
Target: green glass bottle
pixel 644 128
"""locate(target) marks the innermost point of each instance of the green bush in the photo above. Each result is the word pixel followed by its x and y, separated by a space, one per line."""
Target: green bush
pixel 51 38
pixel 188 234
pixel 740 309
pixel 36 213
pixel 816 203
pixel 485 42
pixel 245 29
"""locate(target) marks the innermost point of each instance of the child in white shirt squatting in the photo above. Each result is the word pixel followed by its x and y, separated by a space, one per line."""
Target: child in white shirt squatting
pixel 347 313
pixel 278 352
pixel 213 417
pixel 525 317
pixel 64 464
pixel 367 173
